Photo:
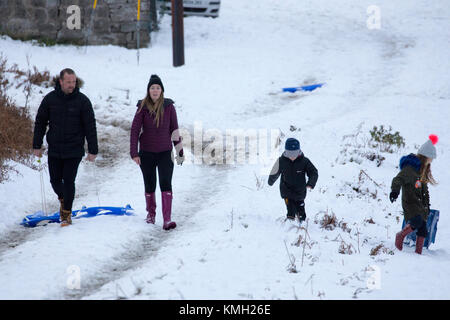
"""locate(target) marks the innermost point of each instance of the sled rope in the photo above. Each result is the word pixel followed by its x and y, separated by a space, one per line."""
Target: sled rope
pixel 43 197
pixel 96 183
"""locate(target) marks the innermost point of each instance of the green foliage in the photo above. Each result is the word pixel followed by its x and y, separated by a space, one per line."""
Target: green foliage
pixel 385 139
pixel 359 146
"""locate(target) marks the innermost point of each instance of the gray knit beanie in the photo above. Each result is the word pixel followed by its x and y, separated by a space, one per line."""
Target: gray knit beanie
pixel 428 149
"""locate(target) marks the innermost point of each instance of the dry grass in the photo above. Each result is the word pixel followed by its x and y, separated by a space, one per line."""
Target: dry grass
pixel 32 76
pixel 16 128
pixel 370 220
pixel 39 78
pixel 380 249
pixel 346 248
pixel 329 221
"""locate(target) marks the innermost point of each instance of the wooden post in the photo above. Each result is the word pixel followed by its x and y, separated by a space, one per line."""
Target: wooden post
pixel 177 33
pixel 153 16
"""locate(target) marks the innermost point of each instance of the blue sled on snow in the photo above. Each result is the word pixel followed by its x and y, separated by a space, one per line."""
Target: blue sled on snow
pixel 304 88
pixel 432 221
pixel 40 219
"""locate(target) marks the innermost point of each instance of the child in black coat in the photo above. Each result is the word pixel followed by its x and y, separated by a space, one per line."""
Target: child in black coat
pixel 293 166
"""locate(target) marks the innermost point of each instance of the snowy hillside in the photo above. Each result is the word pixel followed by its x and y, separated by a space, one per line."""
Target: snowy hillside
pixel 232 240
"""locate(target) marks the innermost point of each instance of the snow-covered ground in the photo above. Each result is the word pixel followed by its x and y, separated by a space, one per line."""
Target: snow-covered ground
pixel 232 241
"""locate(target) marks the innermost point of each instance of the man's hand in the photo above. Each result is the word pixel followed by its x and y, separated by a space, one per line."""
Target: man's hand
pixel 37 152
pixel 309 188
pixel 91 157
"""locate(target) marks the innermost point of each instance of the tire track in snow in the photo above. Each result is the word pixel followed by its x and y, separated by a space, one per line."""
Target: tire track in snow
pixel 390 47
pixel 114 144
pixel 133 254
pixel 15 237
pixel 138 253
pixel 111 143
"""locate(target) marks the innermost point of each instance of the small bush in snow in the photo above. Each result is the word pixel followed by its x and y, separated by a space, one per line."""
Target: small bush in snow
pixel 32 76
pixel 380 249
pixel 330 222
pixel 346 248
pixel 370 220
pixel 365 186
pixel 358 147
pixel 385 140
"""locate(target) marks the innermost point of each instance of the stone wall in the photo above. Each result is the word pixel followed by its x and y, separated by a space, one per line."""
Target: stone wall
pixel 114 21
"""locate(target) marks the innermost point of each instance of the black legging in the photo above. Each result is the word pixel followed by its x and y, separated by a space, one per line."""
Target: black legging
pixel 417 223
pixel 62 177
pixel 161 160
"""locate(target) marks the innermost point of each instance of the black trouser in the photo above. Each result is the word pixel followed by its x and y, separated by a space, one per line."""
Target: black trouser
pixel 295 208
pixel 62 177
pixel 418 224
pixel 161 160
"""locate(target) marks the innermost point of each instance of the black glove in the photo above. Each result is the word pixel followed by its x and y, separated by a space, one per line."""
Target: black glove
pixel 180 158
pixel 393 196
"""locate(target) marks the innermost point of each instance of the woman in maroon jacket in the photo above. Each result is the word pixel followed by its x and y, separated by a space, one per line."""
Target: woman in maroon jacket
pixel 157 118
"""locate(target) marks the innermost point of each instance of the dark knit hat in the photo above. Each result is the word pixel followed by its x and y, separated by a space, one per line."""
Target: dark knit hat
pixel 154 79
pixel 292 148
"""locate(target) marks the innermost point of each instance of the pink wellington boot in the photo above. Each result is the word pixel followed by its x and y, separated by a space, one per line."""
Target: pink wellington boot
pixel 167 210
pixel 419 244
pixel 400 236
pixel 150 200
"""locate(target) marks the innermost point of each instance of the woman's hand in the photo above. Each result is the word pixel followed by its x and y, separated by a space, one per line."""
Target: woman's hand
pixel 179 160
pixel 137 160
pixel 180 157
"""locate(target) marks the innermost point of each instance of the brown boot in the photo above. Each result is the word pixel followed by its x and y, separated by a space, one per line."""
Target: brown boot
pixel 66 218
pixel 400 236
pixel 419 244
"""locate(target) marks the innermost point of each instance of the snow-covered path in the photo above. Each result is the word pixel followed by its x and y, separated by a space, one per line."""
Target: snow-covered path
pixel 231 241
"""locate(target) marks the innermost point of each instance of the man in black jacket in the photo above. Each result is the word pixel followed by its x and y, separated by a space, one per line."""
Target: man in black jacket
pixel 69 115
pixel 292 166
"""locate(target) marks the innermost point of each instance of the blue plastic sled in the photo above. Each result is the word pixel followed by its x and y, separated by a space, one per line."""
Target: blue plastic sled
pixel 40 219
pixel 304 88
pixel 432 221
